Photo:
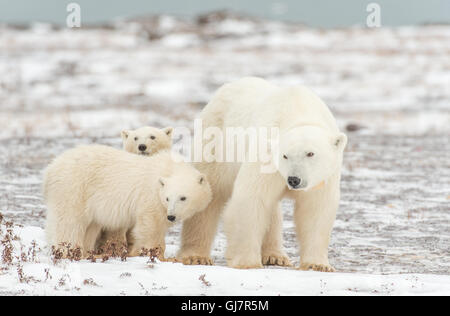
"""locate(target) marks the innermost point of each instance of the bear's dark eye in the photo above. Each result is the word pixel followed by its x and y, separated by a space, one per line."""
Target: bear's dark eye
pixel 285 157
pixel 310 154
pixel 167 199
pixel 183 198
pixel 136 138
pixel 152 137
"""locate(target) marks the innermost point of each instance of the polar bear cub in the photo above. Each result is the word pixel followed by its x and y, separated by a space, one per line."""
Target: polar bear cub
pixel 144 141
pixel 93 188
pixel 147 140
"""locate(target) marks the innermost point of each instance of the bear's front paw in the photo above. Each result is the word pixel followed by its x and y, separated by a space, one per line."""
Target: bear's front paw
pixel 316 267
pixel 197 260
pixel 171 259
pixel 243 263
pixel 246 266
pixel 276 260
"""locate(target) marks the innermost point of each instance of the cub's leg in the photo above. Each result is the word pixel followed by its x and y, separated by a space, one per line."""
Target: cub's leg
pixel 149 233
pixel 93 233
pixel 65 227
pixel 117 236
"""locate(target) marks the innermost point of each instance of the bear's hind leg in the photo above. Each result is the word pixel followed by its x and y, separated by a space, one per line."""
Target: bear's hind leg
pixel 69 237
pixel 66 224
pixel 272 248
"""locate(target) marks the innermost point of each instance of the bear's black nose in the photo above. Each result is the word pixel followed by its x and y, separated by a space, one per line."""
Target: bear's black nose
pixel 294 181
pixel 142 147
pixel 171 218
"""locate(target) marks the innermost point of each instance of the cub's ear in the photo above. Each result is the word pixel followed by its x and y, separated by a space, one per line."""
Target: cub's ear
pixel 162 181
pixel 125 134
pixel 201 179
pixel 168 131
pixel 340 141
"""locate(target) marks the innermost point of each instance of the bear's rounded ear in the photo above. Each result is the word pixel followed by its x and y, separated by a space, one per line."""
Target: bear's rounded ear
pixel 340 141
pixel 125 134
pixel 201 179
pixel 168 131
pixel 161 181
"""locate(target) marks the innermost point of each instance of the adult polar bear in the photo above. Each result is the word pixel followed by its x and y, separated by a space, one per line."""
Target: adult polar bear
pixel 310 153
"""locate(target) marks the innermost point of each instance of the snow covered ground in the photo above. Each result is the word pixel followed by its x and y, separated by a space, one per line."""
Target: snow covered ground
pixel 389 88
pixel 34 272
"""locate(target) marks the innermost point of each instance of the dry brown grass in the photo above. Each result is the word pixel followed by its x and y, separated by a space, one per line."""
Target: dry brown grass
pixel 66 251
pixel 6 228
pixel 111 249
pixel 11 261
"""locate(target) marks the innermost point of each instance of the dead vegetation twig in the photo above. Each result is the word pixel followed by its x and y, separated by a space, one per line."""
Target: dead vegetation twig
pixel 204 281
pixel 90 282
pixel 146 292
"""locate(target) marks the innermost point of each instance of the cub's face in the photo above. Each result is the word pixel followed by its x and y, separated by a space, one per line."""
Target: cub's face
pixel 184 194
pixel 309 155
pixel 147 141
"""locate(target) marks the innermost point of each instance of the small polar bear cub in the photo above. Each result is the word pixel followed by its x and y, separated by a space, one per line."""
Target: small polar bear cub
pixel 147 140
pixel 93 188
pixel 144 141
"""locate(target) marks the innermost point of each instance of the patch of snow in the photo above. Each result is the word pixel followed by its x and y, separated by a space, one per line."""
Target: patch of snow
pixel 137 276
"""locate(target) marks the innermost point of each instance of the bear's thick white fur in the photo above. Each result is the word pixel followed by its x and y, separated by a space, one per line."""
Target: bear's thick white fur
pixel 93 188
pixel 151 140
pixel 154 140
pixel 250 199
